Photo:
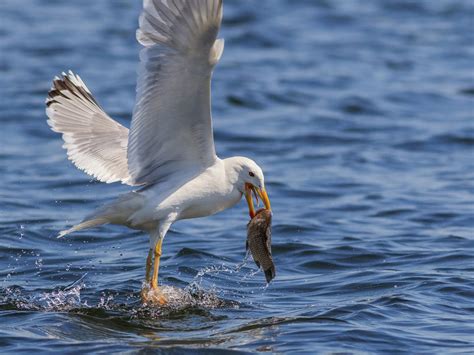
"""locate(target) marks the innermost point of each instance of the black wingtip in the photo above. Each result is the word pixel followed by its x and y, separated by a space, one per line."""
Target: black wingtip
pixel 66 83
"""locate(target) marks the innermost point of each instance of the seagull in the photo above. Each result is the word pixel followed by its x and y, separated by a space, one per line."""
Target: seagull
pixel 168 154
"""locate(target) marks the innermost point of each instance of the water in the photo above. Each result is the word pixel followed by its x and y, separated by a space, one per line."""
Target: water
pixel 361 114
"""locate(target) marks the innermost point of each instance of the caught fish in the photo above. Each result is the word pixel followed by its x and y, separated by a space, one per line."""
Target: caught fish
pixel 259 242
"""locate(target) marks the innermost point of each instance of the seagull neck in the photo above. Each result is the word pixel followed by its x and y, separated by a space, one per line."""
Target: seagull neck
pixel 233 169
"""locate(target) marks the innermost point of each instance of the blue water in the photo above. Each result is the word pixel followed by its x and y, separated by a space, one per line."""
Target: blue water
pixel 361 114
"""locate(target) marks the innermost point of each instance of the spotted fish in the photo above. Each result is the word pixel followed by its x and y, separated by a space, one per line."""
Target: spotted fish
pixel 259 240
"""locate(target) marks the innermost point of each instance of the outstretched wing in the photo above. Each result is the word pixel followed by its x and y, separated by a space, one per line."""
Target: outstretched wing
pixel 171 129
pixel 95 142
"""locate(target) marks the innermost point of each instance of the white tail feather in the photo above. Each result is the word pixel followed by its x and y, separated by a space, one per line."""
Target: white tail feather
pixel 117 212
pixel 83 225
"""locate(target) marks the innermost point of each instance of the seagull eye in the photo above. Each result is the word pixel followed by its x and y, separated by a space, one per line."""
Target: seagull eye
pixel 251 174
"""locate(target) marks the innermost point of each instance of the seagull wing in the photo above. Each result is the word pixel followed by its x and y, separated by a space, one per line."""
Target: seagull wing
pixel 171 129
pixel 95 143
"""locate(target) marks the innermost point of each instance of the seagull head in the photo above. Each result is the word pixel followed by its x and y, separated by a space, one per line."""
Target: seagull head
pixel 251 182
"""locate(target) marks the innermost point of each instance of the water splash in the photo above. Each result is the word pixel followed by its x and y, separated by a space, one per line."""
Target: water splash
pixel 60 299
pixel 183 298
pixel 69 299
pixel 48 301
pixel 197 294
pixel 225 268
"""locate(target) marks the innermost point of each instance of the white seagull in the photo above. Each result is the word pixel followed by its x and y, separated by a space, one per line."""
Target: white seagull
pixel 169 150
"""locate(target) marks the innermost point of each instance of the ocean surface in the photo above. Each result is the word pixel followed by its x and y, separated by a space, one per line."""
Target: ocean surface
pixel 361 114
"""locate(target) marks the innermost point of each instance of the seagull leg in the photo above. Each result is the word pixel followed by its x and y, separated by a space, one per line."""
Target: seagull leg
pixel 156 266
pixel 146 289
pixel 149 262
pixel 151 292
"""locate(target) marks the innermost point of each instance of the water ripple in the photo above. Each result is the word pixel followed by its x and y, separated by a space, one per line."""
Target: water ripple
pixel 364 130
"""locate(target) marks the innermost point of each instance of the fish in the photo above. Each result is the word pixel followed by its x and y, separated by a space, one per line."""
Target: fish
pixel 259 242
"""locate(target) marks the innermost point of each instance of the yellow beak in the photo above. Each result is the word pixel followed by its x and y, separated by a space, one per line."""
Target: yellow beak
pixel 262 193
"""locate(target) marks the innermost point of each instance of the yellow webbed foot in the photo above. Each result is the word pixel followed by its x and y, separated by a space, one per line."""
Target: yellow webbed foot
pixel 153 296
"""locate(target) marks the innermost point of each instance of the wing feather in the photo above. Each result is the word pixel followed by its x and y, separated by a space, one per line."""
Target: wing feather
pixel 171 129
pixel 95 143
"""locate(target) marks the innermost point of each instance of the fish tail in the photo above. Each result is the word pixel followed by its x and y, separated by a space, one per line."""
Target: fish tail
pixel 270 273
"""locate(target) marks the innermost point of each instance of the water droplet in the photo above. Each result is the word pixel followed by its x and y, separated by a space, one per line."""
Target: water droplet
pixel 39 263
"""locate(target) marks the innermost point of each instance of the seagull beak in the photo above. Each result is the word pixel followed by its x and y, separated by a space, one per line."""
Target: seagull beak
pixel 263 195
pixel 249 189
pixel 249 198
